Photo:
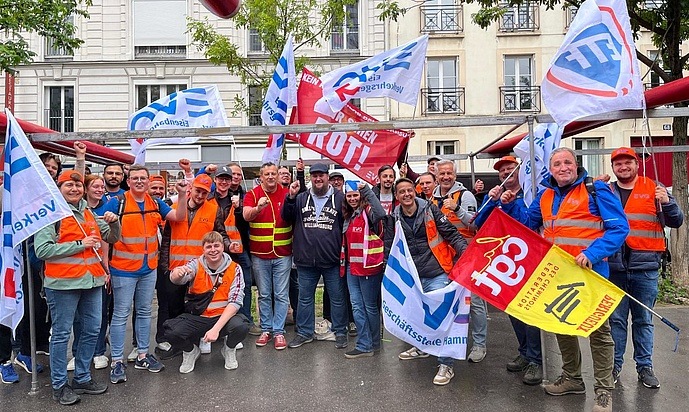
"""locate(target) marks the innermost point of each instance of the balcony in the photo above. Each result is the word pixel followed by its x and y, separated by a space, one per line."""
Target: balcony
pixel 440 20
pixel 519 18
pixel 54 52
pixel 60 120
pixel 160 52
pixel 439 101
pixel 520 99
pixel 345 41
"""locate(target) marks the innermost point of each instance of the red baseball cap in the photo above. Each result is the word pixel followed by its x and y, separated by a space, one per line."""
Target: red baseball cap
pixel 624 152
pixel 203 181
pixel 69 175
pixel 505 159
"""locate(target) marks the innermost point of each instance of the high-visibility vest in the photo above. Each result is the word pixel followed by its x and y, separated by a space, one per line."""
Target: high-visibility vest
pixel 574 227
pixel 139 235
pixel 231 229
pixel 203 283
pixel 465 230
pixel 442 250
pixel 78 264
pixel 185 238
pixel 645 230
pixel 269 235
pixel 363 261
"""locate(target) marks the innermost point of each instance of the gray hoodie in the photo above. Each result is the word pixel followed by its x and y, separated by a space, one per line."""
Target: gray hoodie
pixel 467 204
pixel 236 295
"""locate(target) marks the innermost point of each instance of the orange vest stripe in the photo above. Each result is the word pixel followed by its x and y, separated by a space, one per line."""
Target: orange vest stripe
pixel 442 251
pixel 139 235
pixel 645 230
pixel 203 283
pixel 231 229
pixel 185 238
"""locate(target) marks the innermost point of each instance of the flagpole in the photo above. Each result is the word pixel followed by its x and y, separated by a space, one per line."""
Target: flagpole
pixel 664 320
pixel 532 157
pixel 32 319
pixel 501 186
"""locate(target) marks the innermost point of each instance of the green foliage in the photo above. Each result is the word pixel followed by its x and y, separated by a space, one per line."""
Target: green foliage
pixel 670 292
pixel 48 18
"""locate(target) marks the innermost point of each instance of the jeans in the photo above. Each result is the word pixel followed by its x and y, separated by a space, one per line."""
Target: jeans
pixel 65 306
pixel 125 291
pixel 306 316
pixel 100 343
pixel 643 285
pixel 272 280
pixel 364 292
pixel 186 330
pixel 478 312
pixel 431 284
pixel 602 352
pixel 529 338
pixel 244 261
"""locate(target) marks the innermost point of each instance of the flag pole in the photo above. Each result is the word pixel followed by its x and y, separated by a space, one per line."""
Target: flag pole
pixel 501 186
pixel 656 314
pixel 32 319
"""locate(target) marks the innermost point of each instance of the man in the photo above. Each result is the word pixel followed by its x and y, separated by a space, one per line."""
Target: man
pixel 383 191
pixel 529 359
pixel 590 227
pixel 215 289
pixel 432 256
pixel 336 180
pixel 133 267
pixel 156 187
pixel 113 174
pixel 270 242
pixel 427 182
pixel 318 221
pixel 634 268
pixel 459 205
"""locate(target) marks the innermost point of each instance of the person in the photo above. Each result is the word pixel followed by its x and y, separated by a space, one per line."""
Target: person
pixel 317 218
pixel 270 243
pixel 634 267
pixel 74 278
pixel 157 187
pixel 384 191
pixel 7 372
pixel 459 205
pixel 433 256
pixel 591 227
pixel 336 180
pixel 113 174
pixel 133 267
pixel 363 267
pixel 52 164
pixel 214 296
pixel 406 171
pixel 530 357
pixel 427 182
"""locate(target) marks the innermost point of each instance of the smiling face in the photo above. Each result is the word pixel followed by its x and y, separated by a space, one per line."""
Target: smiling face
pixel 625 168
pixel 138 182
pixel 284 176
pixel 353 199
pixel 52 167
pixel 72 191
pixel 387 179
pixel 269 177
pixel 319 183
pixel 563 168
pixel 156 189
pixel 96 190
pixel 213 253
pixel 505 171
pixel 405 194
pixel 337 182
pixel 446 176
pixel 427 184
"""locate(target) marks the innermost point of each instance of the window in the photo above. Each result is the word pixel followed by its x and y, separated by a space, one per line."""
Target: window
pixel 593 163
pixel 442 148
pixel 519 17
pixel 441 16
pixel 147 94
pixel 53 51
pixel 346 36
pixel 519 94
pixel 60 113
pixel 159 28
pixel 255 43
pixel 656 80
pixel 255 105
pixel 570 14
pixel 442 95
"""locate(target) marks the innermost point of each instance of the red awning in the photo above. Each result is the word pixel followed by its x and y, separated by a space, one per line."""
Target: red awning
pixel 668 93
pixel 94 152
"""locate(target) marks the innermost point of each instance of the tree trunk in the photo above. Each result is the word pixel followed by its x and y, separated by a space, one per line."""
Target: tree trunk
pixel 679 239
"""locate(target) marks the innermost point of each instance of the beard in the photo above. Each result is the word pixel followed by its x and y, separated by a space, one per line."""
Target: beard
pixel 320 191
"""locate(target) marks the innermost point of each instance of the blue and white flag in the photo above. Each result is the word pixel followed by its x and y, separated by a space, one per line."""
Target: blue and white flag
pixel 280 97
pixel 30 202
pixel 196 108
pixel 436 322
pixel 547 137
pixel 595 70
pixel 395 74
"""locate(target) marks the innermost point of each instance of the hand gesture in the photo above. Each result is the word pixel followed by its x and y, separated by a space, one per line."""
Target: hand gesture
pixel 294 189
pixel 662 196
pixel 300 165
pixel 185 165
pixel 235 247
pixel 361 185
pixel 449 204
pixel 91 242
pixel 262 203
pixel 79 149
pixel 181 186
pixel 211 168
pixel 478 186
pixel 403 170
pixel 508 196
pixel 109 217
pixel 495 193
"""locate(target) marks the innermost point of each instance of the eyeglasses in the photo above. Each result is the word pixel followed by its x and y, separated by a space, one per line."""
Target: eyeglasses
pixel 138 179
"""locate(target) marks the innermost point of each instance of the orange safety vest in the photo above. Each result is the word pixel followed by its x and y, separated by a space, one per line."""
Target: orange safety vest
pixel 363 261
pixel 645 230
pixel 442 250
pixel 185 238
pixel 78 264
pixel 203 283
pixel 231 229
pixel 269 235
pixel 139 235
pixel 574 227
pixel 465 230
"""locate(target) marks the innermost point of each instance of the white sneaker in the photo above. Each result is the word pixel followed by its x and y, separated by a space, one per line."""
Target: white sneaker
pixel 100 362
pixel 230 355
pixel 205 347
pixel 240 345
pixel 189 360
pixel 164 346
pixel 70 365
pixel 444 375
pixel 477 354
pixel 133 355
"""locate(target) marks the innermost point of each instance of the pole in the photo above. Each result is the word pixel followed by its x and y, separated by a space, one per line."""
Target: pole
pixel 532 157
pixel 32 319
pixel 502 184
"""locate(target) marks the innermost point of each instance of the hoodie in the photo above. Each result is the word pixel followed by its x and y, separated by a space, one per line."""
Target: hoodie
pixel 236 295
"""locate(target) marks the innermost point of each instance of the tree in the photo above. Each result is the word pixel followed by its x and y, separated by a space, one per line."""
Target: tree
pixel 48 18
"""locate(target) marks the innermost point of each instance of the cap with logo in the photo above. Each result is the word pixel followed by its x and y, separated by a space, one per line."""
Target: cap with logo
pixel 223 171
pixel 203 181
pixel 624 152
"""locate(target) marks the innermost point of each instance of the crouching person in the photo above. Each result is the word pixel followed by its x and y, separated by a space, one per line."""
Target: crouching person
pixel 214 296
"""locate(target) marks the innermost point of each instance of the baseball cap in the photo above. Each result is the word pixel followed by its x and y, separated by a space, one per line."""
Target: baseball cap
pixel 624 152
pixel 432 158
pixel 505 159
pixel 335 174
pixel 69 175
pixel 223 171
pixel 318 168
pixel 203 181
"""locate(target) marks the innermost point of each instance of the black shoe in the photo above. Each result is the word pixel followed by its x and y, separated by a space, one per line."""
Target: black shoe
pixel 65 395
pixel 168 354
pixel 341 342
pixel 533 374
pixel 648 378
pixel 615 375
pixel 43 350
pixel 90 388
pixel 356 353
pixel 518 364
pixel 298 341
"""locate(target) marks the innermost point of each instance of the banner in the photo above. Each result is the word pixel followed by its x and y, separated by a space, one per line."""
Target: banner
pixel 361 152
pixel 547 137
pixel 30 202
pixel 280 97
pixel 395 74
pixel 435 322
pixel 524 275
pixel 595 70
pixel 188 109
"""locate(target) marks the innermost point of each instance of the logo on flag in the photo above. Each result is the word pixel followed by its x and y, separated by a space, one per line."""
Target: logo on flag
pixel 547 138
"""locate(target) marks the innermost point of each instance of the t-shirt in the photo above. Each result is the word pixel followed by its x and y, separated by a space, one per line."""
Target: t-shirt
pixel 386 202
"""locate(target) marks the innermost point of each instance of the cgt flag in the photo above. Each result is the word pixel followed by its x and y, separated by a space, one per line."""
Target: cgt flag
pixel 522 274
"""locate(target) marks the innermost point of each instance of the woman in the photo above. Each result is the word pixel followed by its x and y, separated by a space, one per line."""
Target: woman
pixel 74 278
pixel 363 214
pixel 94 187
pixel 52 163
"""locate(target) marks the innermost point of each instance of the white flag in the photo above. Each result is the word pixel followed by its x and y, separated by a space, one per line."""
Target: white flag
pixel 395 73
pixel 547 137
pixel 595 70
pixel 435 322
pixel 30 202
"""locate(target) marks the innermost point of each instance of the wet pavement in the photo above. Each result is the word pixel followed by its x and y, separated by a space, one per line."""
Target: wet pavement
pixel 317 377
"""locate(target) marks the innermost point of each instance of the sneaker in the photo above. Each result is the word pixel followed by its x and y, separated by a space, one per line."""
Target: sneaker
pixel 43 350
pixel 204 347
pixel 352 329
pixel 239 346
pixel 71 365
pixel 189 360
pixel 444 375
pixel 477 354
pixel 166 355
pixel 518 364
pixel 255 330
pixel 65 395
pixel 150 363
pixel 412 353
pixel 603 401
pixel 263 339
pixel 356 353
pixel 133 355
pixel 533 374
pixel 118 373
pixel 280 342
pixel 25 362
pixel 164 346
pixel 90 388
pixel 648 378
pixel 298 341
pixel 341 342
pixel 100 362
pixel 230 356
pixel 564 385
pixel 615 375
pixel 8 374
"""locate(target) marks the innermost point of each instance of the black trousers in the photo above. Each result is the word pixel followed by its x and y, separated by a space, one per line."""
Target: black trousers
pixel 185 330
pixel 5 344
pixel 170 301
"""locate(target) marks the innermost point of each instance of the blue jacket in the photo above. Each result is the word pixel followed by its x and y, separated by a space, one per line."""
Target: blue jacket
pixel 606 205
pixel 489 204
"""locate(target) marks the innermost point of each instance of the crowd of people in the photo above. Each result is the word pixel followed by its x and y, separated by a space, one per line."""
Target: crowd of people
pixel 200 251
